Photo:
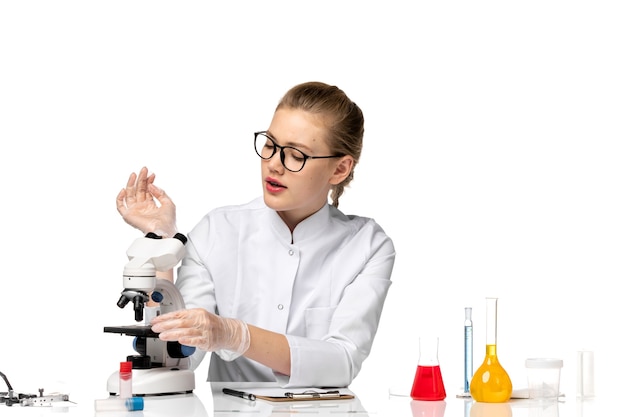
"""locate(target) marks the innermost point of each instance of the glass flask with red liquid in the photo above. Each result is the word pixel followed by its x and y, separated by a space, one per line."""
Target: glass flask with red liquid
pixel 428 382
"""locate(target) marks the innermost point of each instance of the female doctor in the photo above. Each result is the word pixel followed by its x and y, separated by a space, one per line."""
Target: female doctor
pixel 284 288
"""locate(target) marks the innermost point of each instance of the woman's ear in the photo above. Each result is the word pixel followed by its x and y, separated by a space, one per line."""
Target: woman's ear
pixel 342 170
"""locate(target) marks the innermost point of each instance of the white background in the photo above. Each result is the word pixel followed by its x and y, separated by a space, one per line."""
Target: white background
pixel 494 157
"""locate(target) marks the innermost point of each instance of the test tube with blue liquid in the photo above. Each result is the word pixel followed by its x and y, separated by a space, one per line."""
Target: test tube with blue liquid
pixel 119 404
pixel 469 350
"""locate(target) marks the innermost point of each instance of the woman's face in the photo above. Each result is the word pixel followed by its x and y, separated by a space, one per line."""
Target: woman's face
pixel 297 195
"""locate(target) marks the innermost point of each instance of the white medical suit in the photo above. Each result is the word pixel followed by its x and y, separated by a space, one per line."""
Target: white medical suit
pixel 324 287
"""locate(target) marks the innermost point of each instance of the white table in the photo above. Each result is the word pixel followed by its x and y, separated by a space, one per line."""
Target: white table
pixel 208 400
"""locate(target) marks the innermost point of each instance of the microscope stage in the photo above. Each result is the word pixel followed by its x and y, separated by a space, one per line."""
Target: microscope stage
pixel 142 331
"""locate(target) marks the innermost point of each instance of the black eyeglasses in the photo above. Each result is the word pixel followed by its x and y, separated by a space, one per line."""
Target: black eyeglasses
pixel 293 159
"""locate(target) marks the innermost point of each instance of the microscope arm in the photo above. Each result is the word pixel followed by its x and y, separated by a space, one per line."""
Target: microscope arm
pixel 167 295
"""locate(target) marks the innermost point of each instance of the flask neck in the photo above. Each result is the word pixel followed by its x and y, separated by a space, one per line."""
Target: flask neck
pixel 492 321
pixel 491 350
pixel 429 347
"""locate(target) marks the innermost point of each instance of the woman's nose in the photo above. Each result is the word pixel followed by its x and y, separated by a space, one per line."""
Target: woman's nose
pixel 275 162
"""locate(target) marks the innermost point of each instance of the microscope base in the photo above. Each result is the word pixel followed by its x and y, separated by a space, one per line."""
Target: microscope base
pixel 156 381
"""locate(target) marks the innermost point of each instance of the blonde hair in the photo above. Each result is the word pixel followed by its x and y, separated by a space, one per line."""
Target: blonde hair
pixel 342 117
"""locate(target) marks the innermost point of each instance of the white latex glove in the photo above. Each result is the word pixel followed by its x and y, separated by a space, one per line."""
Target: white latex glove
pixel 137 203
pixel 197 327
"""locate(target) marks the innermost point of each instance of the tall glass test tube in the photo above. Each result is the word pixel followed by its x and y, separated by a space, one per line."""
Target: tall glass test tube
pixel 469 349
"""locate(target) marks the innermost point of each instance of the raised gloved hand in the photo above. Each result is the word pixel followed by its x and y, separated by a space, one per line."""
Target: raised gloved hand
pixel 137 203
pixel 197 327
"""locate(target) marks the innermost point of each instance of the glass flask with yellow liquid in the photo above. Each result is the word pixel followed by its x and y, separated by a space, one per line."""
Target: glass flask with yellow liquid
pixel 491 383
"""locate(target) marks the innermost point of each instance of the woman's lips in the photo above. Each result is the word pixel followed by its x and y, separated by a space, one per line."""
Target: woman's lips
pixel 273 185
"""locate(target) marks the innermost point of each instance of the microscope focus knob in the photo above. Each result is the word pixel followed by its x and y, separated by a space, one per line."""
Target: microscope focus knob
pixel 140 361
pixel 157 296
pixel 176 350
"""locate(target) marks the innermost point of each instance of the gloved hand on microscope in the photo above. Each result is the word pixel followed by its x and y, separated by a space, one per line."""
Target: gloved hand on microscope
pixel 203 330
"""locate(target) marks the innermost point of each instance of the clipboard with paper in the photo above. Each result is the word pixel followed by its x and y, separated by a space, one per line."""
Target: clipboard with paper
pixel 275 394
pixel 308 395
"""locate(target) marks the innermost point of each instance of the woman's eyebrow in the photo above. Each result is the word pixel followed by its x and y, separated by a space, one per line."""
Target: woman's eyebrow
pixel 293 144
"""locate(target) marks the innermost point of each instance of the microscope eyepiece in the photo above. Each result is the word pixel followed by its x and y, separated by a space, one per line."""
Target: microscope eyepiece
pixel 181 237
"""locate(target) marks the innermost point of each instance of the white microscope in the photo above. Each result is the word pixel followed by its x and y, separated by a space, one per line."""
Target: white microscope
pixel 159 367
